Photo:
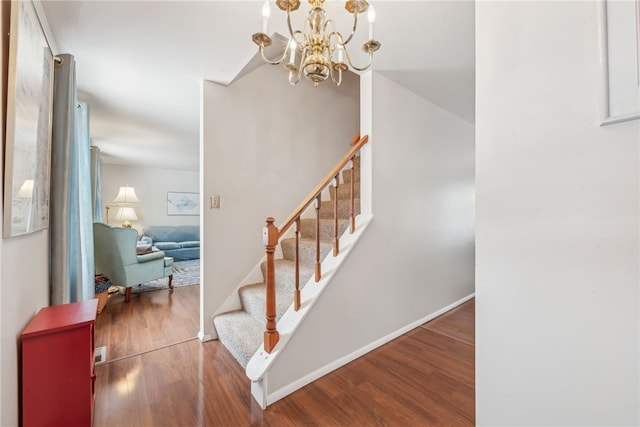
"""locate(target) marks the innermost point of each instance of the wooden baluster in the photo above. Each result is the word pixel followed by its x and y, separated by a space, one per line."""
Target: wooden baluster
pixel 296 293
pixel 270 237
pixel 318 268
pixel 336 247
pixel 352 198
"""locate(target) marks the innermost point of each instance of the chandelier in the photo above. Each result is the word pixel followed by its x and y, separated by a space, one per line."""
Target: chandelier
pixel 323 50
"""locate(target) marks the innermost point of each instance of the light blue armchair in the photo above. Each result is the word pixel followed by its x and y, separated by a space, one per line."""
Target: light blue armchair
pixel 116 257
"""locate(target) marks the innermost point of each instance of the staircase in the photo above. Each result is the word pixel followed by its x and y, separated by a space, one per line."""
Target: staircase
pixel 241 331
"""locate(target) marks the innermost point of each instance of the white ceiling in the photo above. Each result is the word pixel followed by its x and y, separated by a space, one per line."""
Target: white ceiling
pixel 139 64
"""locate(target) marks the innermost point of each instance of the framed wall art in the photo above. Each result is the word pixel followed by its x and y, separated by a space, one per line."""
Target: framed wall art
pixel 619 31
pixel 179 203
pixel 29 114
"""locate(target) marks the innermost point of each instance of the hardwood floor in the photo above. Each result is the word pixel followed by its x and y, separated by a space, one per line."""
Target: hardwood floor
pixel 423 378
pixel 149 321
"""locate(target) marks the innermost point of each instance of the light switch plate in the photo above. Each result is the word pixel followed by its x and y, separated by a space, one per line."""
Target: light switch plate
pixel 215 202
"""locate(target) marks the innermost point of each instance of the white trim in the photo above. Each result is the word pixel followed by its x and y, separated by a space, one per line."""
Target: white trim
pixel 605 101
pixel 204 337
pixel 257 391
pixel 296 385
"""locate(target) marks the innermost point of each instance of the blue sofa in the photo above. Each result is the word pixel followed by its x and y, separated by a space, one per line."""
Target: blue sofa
pixel 181 242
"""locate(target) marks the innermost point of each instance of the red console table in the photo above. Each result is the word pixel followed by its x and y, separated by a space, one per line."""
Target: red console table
pixel 58 377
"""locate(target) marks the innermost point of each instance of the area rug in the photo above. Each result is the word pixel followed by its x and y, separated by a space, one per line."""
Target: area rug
pixel 185 273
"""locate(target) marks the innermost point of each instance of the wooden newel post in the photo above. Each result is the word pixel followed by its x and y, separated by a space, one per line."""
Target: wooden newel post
pixel 270 237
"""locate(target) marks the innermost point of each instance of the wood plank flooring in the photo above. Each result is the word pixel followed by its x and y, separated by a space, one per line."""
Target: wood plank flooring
pixel 423 378
pixel 149 321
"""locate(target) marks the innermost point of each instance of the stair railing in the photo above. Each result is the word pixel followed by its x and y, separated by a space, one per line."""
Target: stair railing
pixel 272 235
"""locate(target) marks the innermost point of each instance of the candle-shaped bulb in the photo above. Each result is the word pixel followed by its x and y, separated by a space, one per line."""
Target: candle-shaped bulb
pixel 266 11
pixel 292 52
pixel 371 16
pixel 340 54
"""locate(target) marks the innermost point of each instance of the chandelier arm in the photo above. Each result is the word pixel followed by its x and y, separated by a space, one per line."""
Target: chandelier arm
pixel 346 53
pixel 274 62
pixel 353 30
pixel 338 41
pixel 333 78
pixel 291 32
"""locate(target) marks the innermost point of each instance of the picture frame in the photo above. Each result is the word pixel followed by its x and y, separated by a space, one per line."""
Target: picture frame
pixel 27 147
pixel 183 203
pixel 619 34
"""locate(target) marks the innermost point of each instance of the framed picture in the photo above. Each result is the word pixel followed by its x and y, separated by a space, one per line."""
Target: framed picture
pixel 29 113
pixel 619 30
pixel 183 203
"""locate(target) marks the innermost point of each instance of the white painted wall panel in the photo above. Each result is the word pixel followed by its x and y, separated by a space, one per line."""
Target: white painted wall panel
pixel 557 225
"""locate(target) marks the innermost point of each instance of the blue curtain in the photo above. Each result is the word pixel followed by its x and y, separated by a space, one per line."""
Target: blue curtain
pixel 71 210
pixel 96 184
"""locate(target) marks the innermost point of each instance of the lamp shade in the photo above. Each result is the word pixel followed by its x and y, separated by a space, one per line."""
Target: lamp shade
pixel 126 214
pixel 126 195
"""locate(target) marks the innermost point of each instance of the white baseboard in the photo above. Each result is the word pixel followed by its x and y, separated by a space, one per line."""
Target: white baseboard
pixel 204 337
pixel 296 385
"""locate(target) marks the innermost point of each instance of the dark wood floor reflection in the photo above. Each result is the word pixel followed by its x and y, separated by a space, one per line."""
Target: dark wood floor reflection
pixel 149 321
pixel 424 378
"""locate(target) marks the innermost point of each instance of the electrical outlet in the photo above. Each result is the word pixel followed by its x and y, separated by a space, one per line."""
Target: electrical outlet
pixel 215 202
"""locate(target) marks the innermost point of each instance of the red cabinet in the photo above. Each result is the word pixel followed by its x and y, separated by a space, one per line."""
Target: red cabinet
pixel 58 377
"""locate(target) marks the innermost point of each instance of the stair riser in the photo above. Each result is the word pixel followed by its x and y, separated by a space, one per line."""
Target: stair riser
pixel 253 301
pixel 344 209
pixel 253 298
pixel 285 275
pixel 346 176
pixel 308 228
pixel 306 250
pixel 344 191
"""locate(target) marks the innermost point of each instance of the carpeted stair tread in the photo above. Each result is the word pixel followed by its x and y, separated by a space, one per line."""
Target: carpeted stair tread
pixel 253 298
pixel 286 273
pixel 306 250
pixel 240 333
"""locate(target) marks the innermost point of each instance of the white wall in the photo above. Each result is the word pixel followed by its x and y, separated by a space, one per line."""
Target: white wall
pixel 151 185
pixel 417 256
pixel 557 225
pixel 24 283
pixel 265 146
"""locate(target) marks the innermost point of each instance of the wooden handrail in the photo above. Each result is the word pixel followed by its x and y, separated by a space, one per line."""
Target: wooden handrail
pixel 325 182
pixel 272 236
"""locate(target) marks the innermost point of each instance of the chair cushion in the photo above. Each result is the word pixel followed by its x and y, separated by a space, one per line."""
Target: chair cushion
pixel 167 245
pixel 190 244
pixel 168 261
pixel 150 257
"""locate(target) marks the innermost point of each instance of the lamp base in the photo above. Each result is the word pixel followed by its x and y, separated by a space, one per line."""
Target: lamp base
pixel 126 224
